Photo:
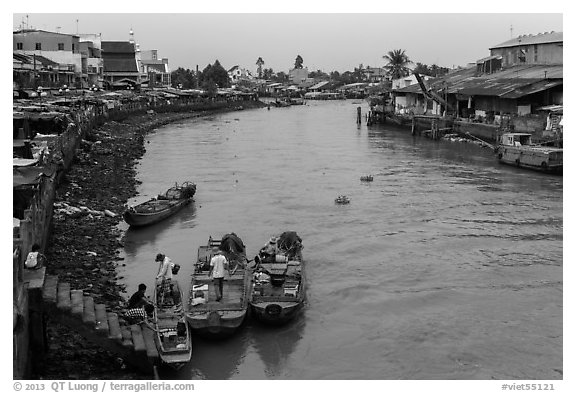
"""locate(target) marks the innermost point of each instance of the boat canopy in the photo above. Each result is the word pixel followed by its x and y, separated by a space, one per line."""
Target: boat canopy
pixel 231 243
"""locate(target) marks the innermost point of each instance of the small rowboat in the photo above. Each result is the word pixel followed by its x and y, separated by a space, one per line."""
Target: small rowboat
pixel 157 209
pixel 367 178
pixel 173 338
pixel 342 200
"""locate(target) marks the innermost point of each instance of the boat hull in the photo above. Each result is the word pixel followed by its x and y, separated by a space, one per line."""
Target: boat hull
pixel 275 313
pixel 216 324
pixel 135 219
pixel 543 159
pixel 173 337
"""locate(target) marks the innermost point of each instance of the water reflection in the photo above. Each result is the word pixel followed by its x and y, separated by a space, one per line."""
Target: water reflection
pixel 216 359
pixel 275 344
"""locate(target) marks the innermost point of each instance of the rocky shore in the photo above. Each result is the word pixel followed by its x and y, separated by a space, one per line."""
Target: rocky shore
pixel 85 241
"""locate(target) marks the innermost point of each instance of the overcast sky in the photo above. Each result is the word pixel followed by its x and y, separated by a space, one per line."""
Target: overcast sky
pixel 329 42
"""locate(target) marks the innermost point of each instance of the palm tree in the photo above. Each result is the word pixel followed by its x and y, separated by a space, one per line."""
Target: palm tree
pixel 260 63
pixel 398 61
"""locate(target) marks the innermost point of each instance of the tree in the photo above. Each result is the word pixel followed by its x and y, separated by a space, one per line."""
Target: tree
pixel 260 63
pixel 359 73
pixel 183 77
pixel 216 74
pixel 298 62
pixel 281 77
pixel 267 73
pixel 318 74
pixel 398 62
pixel 422 69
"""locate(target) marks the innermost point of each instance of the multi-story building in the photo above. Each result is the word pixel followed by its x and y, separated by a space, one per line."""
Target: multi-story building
pixel 92 62
pixel 120 64
pixel 374 75
pixel 542 48
pixel 156 70
pixel 62 49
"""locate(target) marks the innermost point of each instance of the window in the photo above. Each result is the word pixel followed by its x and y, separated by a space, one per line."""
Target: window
pixel 60 46
pixel 19 46
pixel 535 53
pixel 38 46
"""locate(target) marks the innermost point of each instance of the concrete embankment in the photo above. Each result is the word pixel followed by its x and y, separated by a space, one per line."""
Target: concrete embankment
pixel 83 242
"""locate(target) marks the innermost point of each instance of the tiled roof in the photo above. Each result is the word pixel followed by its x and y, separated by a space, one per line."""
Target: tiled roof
pixel 120 65
pixel 118 47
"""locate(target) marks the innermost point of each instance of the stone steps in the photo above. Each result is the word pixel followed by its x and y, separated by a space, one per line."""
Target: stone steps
pixel 134 343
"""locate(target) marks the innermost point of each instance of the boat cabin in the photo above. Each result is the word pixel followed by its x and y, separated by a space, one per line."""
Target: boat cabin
pixel 516 139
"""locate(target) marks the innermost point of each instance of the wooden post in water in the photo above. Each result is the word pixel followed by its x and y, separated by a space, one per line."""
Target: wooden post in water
pixel 359 117
pixel 413 126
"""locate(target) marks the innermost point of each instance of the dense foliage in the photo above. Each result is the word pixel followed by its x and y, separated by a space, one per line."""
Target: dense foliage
pixel 398 62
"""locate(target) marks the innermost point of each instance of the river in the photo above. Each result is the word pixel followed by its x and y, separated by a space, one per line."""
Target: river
pixel 448 266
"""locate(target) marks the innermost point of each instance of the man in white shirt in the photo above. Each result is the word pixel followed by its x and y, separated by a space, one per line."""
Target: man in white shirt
pixel 165 270
pixel 218 265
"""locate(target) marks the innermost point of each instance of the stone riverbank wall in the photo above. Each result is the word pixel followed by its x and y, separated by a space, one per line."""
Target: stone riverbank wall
pixel 75 133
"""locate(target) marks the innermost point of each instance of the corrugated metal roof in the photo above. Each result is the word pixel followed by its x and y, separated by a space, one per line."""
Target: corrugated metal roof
pixel 532 39
pixel 532 88
pixel 513 82
pixel 319 85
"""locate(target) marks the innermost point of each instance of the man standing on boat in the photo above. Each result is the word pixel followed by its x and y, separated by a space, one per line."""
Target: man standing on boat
pixel 218 265
pixel 165 270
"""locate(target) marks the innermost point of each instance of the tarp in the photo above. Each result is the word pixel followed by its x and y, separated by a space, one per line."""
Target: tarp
pixel 289 241
pixel 28 175
pixel 231 243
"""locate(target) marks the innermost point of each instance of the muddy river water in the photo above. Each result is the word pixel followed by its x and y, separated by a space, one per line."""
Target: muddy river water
pixel 447 266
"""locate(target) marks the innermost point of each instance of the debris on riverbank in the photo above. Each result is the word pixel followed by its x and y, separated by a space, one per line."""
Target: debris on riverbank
pixel 85 240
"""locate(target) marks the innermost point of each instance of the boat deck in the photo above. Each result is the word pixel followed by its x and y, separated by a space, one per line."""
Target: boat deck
pixel 234 296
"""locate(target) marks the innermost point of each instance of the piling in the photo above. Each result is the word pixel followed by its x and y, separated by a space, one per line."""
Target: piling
pixel 359 117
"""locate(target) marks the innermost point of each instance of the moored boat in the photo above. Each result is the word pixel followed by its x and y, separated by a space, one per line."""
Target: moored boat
pixel 157 209
pixel 367 178
pixel 279 284
pixel 517 149
pixel 173 337
pixel 206 315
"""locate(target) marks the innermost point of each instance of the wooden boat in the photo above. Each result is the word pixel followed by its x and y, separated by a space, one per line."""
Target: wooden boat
pixel 367 178
pixel 281 103
pixel 222 318
pixel 342 200
pixel 278 283
pixel 296 101
pixel 173 338
pixel 516 148
pixel 165 205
